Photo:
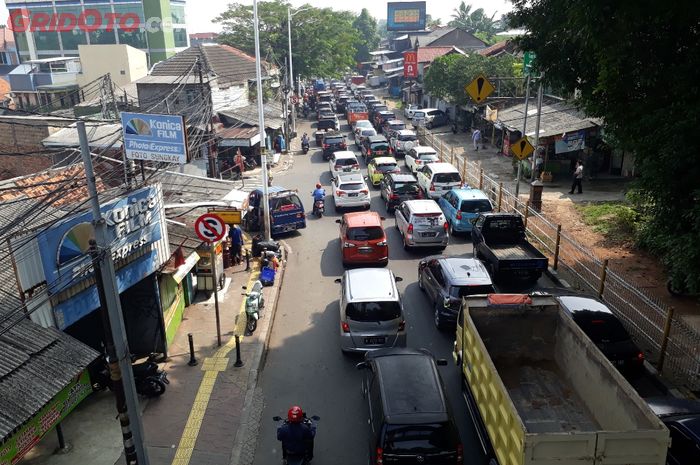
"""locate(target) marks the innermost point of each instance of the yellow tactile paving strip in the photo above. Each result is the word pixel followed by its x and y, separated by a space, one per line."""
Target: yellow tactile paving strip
pixel 211 367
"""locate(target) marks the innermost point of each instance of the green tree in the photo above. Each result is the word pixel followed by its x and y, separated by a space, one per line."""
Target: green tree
pixel 323 40
pixel 635 66
pixel 432 23
pixel 476 22
pixel 448 74
pixel 368 39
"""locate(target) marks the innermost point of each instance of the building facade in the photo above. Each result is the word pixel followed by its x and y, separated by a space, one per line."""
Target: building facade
pixel 56 28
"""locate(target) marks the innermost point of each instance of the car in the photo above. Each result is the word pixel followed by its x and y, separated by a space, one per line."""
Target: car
pixel 462 206
pixel 371 311
pixel 379 166
pixel 409 419
pixel 333 142
pixel 362 239
pixel 380 117
pixel 391 126
pixel 375 146
pixel 445 280
pixel 367 95
pixel 421 223
pixel 410 110
pixel 350 190
pixel 398 187
pixel 402 141
pixel 343 161
pixel 418 156
pixel 375 109
pixel 437 178
pixel 363 133
pixel 682 418
pixel 321 106
pixel 328 123
pixel 430 118
pixel 362 124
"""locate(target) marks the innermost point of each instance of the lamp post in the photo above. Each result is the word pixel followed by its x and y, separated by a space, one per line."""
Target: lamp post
pixel 291 68
pixel 261 124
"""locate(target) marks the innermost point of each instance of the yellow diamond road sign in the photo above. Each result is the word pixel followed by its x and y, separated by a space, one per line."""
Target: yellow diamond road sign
pixel 522 149
pixel 479 89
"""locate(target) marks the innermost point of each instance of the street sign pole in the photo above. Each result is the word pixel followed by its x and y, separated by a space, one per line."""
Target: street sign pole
pixel 216 292
pixel 520 165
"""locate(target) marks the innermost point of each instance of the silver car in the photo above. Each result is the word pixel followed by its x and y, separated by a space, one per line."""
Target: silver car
pixel 421 223
pixel 371 312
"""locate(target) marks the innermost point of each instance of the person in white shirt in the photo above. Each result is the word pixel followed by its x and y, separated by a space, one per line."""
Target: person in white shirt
pixel 578 177
pixel 476 138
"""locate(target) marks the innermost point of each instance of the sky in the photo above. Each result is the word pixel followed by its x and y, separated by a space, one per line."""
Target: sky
pixel 199 17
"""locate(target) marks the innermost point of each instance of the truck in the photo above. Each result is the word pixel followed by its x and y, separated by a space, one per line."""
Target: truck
pixel 357 80
pixel 501 243
pixel 540 392
pixel 356 112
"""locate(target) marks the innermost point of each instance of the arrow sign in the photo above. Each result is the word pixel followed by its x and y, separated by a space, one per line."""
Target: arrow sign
pixel 210 227
pixel 522 148
pixel 479 89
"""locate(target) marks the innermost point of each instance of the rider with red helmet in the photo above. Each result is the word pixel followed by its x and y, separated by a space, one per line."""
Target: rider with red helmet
pixel 297 434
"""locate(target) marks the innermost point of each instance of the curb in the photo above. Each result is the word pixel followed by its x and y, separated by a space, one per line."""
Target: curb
pixel 252 410
pixel 554 276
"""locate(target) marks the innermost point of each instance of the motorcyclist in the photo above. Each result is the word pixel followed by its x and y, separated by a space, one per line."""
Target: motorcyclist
pixel 297 435
pixel 305 140
pixel 319 193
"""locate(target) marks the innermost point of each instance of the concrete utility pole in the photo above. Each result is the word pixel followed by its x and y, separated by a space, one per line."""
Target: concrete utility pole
pixel 207 148
pixel 291 67
pixel 537 127
pixel 527 102
pixel 261 126
pixel 132 428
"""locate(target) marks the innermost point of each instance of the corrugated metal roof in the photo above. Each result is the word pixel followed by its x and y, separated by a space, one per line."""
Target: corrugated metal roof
pixel 249 115
pixel 557 118
pixel 100 135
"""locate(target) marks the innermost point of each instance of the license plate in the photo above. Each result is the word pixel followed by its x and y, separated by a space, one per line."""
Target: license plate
pixel 352 195
pixel 366 250
pixel 289 227
pixel 427 234
pixel 375 340
pixel 347 169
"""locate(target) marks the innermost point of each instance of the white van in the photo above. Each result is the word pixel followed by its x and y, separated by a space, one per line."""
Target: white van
pixel 438 178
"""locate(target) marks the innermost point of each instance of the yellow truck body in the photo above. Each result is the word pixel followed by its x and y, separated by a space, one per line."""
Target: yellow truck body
pixel 545 394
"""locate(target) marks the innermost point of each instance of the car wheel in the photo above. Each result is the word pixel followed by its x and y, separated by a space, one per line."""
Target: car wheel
pixel 450 229
pixel 437 319
pixel 429 125
pixel 406 247
pixel 386 205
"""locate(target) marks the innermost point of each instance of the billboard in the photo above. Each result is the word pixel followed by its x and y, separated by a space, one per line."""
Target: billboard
pixel 405 16
pixel 159 138
pixel 410 64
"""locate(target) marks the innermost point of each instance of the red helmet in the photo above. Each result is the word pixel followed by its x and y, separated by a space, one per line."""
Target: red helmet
pixel 318 185
pixel 295 414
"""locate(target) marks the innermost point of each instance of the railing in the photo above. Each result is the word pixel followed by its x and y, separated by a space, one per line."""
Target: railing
pixel 668 341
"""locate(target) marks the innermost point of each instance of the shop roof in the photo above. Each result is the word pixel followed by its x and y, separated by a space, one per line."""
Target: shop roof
pixel 557 118
pixel 248 115
pixel 428 54
pixel 100 135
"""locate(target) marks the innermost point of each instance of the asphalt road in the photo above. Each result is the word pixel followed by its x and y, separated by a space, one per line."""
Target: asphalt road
pixel 304 363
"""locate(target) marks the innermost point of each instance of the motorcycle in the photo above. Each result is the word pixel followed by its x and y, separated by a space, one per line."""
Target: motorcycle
pixel 319 208
pixel 149 379
pixel 293 459
pixel 305 147
pixel 254 302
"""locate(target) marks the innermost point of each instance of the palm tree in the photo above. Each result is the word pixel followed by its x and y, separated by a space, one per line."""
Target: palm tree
pixel 462 17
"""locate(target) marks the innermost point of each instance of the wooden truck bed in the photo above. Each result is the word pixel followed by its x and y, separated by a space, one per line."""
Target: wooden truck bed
pixel 512 252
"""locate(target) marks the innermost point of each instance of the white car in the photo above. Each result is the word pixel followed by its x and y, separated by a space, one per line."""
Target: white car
pixel 402 141
pixel 350 190
pixel 418 157
pixel 410 110
pixel 362 124
pixel 343 161
pixel 436 179
pixel 363 133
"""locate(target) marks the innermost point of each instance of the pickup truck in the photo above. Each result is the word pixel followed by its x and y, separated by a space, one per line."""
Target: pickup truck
pixel 500 242
pixel 539 392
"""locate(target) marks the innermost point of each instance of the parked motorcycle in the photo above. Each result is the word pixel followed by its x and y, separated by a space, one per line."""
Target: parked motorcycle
pixel 254 302
pixel 291 459
pixel 150 380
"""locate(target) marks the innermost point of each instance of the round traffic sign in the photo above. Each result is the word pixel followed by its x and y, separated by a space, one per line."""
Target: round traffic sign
pixel 210 227
pixel 295 100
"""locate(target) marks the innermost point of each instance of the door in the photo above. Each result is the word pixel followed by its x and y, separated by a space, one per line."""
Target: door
pixel 436 280
pixel 402 215
pixel 447 203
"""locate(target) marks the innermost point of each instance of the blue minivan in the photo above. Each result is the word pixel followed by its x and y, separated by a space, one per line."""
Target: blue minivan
pixel 286 210
pixel 460 206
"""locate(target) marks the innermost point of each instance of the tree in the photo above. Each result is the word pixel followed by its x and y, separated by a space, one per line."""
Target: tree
pixel 476 22
pixel 432 23
pixel 323 40
pixel 635 67
pixel 368 39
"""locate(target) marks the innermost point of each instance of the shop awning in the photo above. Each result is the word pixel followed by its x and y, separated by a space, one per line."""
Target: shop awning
pixel 238 137
pixel 557 118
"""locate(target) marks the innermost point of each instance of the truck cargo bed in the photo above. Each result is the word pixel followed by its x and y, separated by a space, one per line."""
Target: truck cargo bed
pixel 513 252
pixel 544 400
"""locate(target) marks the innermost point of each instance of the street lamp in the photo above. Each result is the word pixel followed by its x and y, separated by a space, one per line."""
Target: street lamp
pixel 291 71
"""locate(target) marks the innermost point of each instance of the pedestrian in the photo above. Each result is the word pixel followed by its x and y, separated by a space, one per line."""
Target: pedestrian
pixel 476 138
pixel 236 237
pixel 539 164
pixel 578 177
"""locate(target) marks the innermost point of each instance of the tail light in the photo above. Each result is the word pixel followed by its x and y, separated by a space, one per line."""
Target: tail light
pixel 410 229
pixel 446 226
pixel 348 245
pixel 391 150
pixel 345 327
pixel 396 170
pixel 339 193
pixel 640 357
pixel 364 191
pixel 432 187
pixel 343 145
pixel 402 325
pixel 460 453
pixel 459 215
pixel 393 197
pixel 420 194
pixel 300 215
pixel 381 243
pixel 369 151
pixel 325 146
pixel 380 457
pixel 356 165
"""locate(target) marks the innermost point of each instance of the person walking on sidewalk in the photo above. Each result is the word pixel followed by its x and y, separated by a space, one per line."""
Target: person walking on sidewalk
pixel 476 138
pixel 578 177
pixel 236 244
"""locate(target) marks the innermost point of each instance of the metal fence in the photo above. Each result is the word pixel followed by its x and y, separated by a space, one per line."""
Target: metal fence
pixel 668 341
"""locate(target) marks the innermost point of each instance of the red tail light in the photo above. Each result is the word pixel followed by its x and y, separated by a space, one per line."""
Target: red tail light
pixel 418 162
pixel 325 146
pixel 364 191
pixel 410 229
pixel 432 187
pixel 369 152
pixel 446 226
pixel 345 327
pixel 460 453
pixel 420 194
pixel 356 166
pixel 339 193
pixel 343 145
pixel 300 215
pixel 391 150
pixel 459 215
pixel 380 456
pixel 393 197
pixel 640 356
pixel 402 325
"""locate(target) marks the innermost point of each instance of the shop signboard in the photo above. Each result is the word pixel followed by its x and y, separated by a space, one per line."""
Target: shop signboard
pixel 570 142
pixel 158 138
pixel 21 442
pixel 410 64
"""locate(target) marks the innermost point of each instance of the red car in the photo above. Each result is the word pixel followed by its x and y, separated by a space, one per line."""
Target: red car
pixel 362 239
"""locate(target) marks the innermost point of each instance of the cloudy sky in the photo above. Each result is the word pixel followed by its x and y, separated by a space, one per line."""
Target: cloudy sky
pixel 199 17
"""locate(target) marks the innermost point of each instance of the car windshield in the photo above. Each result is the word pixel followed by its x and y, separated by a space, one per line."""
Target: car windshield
pixel 373 311
pixel 601 327
pixel 424 438
pixel 427 156
pixel 346 162
pixel 350 186
pixel 407 138
pixel 397 126
pixel 476 206
pixel 381 108
pixel 406 187
pixel 334 140
pixel 463 291
pixel 447 177
pixel 379 146
pixel 386 167
pixel 290 202
pixel 365 233
pixel 326 123
pixel 419 114
pixel 369 132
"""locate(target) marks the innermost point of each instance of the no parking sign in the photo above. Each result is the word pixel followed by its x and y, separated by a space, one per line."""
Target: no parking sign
pixel 210 227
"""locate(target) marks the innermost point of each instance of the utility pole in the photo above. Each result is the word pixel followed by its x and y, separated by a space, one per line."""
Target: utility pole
pixel 119 359
pixel 291 69
pixel 206 147
pixel 537 127
pixel 261 124
pixel 527 102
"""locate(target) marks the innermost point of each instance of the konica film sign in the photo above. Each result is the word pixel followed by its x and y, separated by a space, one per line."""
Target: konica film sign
pixel 159 138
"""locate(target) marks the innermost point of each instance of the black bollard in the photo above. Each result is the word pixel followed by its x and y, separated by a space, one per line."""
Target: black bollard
pixel 247 259
pixel 193 360
pixel 239 362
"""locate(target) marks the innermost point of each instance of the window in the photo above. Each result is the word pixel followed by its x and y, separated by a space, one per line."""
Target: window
pixel 180 37
pixel 464 291
pixel 683 449
pixel 178 13
pixel 71 39
pixel 601 327
pixel 407 137
pixel 290 202
pixel 136 39
pixel 101 36
pixel 386 167
pixel 354 186
pixel 436 270
pixel 476 206
pixel 363 233
pixel 373 311
pixel 447 177
pixel 46 40
pixel 427 438
pixel 406 187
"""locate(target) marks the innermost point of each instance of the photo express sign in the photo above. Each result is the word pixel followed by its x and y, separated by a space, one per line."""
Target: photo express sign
pixel 159 138
pixel 133 223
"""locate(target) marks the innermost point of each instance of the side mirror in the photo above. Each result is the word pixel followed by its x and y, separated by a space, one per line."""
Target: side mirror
pixel 362 365
pixel 337 280
pixel 277 418
pixel 398 279
pixel 441 362
pixel 337 221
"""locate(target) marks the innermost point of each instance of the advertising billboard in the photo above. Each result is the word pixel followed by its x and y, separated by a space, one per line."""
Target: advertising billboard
pixel 159 138
pixel 405 16
pixel 410 64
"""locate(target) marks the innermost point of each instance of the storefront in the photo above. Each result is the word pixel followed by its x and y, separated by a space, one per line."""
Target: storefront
pixel 176 290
